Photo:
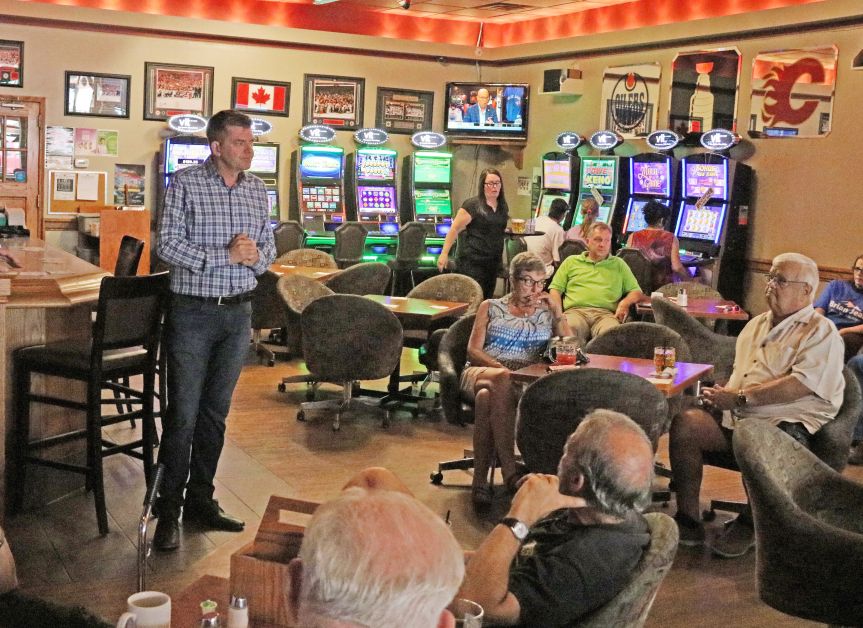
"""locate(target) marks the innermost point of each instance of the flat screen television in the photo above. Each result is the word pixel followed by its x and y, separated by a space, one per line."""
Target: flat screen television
pixel 555 175
pixel 376 199
pixel 432 168
pixel 504 114
pixel 432 203
pixel 321 162
pixel 265 159
pixel 700 224
pixel 650 178
pixel 698 178
pixel 376 165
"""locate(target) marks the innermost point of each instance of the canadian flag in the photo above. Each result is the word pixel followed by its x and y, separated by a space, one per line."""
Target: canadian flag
pixel 261 97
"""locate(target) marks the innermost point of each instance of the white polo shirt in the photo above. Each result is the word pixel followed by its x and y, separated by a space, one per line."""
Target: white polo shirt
pixel 805 345
pixel 548 245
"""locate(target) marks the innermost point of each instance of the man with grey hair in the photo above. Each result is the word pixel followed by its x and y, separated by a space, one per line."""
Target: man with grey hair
pixel 569 542
pixel 375 556
pixel 787 371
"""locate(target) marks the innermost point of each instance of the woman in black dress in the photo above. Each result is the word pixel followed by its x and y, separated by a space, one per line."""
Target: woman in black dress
pixel 483 220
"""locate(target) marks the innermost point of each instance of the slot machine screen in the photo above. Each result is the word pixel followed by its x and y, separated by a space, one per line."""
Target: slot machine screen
pixel 273 203
pixel 546 201
pixel 698 178
pixel 555 175
pixel 433 203
pixel 179 155
pixel 432 169
pixel 701 224
pixel 265 159
pixel 650 178
pixel 601 215
pixel 320 162
pixel 598 173
pixel 376 165
pixel 376 199
pixel 635 218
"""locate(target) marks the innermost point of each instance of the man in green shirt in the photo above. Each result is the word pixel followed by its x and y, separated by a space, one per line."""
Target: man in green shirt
pixel 595 289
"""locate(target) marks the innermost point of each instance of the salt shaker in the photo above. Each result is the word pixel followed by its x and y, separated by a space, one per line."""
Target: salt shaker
pixel 238 612
pixel 682 299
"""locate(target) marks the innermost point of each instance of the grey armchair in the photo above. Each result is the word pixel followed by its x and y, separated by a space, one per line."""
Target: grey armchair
pixel 640 267
pixel 350 243
pixel 307 257
pixel 360 279
pixel 410 248
pixel 637 340
pixel 288 236
pixel 268 312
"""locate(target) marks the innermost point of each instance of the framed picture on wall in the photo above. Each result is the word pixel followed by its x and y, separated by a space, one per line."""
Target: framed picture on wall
pixel 11 63
pixel 336 101
pixel 97 95
pixel 261 97
pixel 171 89
pixel 404 111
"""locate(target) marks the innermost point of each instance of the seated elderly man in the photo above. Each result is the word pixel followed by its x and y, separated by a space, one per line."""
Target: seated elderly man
pixel 596 287
pixel 787 370
pixel 569 543
pixel 375 556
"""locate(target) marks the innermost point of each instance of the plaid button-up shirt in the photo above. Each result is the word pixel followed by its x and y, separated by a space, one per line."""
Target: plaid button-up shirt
pixel 200 217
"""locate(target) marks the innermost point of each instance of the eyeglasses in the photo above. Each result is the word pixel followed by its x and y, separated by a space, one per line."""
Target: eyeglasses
pixel 530 282
pixel 780 281
pixel 856 269
pixel 493 184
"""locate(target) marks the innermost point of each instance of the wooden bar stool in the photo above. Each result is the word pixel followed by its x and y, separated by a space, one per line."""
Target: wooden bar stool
pixel 124 343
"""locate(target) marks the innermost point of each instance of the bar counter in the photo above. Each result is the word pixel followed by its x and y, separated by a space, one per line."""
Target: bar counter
pixel 48 299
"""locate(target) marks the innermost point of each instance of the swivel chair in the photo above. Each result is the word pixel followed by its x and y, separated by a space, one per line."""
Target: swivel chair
pixel 350 242
pixel 360 279
pixel 288 236
pixel 410 249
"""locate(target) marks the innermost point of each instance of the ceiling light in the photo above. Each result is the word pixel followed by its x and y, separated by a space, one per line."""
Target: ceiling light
pixel 405 4
pixel 320 2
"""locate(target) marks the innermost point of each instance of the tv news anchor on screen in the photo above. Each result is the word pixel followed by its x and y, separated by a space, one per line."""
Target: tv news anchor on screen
pixel 481 112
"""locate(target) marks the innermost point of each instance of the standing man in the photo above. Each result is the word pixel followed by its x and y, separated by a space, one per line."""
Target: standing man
pixel 481 113
pixel 547 246
pixel 215 234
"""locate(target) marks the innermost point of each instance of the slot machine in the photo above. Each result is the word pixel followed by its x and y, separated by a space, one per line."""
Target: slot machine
pixel 265 166
pixel 602 177
pixel 712 223
pixel 371 199
pixel 177 153
pixel 559 173
pixel 317 193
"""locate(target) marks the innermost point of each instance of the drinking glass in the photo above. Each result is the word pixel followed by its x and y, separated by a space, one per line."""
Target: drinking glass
pixel 467 614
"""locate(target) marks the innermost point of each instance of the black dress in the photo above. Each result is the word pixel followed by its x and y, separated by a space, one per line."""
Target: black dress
pixel 481 244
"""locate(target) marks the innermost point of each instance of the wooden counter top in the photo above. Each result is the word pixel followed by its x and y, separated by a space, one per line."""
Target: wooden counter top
pixel 48 277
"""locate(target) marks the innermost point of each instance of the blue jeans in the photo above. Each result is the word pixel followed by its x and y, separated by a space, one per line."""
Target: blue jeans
pixel 207 346
pixel 856 366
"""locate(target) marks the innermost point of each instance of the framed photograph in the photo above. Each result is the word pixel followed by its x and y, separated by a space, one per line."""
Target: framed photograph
pixel 171 89
pixel 97 95
pixel 336 101
pixel 260 97
pixel 11 63
pixel 404 111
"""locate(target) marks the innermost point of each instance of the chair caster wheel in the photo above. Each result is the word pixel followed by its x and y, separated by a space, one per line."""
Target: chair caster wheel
pixel 436 478
pixel 301 415
pixel 282 388
pixel 708 515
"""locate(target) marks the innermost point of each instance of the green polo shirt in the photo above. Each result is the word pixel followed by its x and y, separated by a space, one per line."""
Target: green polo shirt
pixel 585 283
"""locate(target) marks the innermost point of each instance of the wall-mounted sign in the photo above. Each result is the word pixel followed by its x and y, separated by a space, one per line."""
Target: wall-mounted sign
pixel 187 123
pixel 260 127
pixel 630 94
pixel 317 133
pixel 719 139
pixel 704 91
pixel 428 139
pixel 569 140
pixel 605 140
pixel 663 140
pixel 371 137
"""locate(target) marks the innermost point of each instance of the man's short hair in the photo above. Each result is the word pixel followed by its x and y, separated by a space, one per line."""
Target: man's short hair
pixel 558 209
pixel 218 125
pixel 597 226
pixel 808 269
pixel 609 485
pixel 379 558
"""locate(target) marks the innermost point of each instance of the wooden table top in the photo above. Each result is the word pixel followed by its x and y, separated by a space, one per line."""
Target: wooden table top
pixel 411 310
pixel 686 374
pixel 704 308
pixel 186 607
pixel 312 272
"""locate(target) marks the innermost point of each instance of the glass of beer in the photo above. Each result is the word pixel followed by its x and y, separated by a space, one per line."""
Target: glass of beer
pixel 670 357
pixel 518 225
pixel 659 359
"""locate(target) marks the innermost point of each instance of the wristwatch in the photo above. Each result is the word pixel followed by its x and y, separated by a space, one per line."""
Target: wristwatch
pixel 741 400
pixel 518 528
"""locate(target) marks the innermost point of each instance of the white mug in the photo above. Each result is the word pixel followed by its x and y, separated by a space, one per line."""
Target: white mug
pixel 149 609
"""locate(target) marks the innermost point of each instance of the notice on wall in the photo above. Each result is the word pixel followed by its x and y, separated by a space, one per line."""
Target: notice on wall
pixel 523 186
pixel 64 186
pixel 88 186
pixel 59 140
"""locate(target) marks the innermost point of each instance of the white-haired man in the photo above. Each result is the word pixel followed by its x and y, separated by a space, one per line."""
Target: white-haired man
pixel 571 541
pixel 375 556
pixel 787 370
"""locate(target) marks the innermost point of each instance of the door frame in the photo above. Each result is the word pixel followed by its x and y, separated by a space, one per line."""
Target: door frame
pixel 40 170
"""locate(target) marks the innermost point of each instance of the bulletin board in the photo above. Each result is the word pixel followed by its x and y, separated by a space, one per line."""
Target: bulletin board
pixel 75 194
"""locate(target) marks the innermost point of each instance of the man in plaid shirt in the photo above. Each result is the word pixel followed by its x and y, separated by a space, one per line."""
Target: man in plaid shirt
pixel 215 234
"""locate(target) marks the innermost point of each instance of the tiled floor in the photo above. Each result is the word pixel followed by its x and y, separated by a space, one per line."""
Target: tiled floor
pixel 61 556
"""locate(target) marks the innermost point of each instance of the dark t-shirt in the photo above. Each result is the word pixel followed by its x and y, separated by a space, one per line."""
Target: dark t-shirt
pixel 566 570
pixel 483 237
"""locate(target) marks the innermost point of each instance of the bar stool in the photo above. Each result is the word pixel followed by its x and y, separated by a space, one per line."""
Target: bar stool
pixel 124 343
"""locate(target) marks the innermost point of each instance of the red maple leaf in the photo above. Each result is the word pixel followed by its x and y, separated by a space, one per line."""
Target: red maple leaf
pixel 261 96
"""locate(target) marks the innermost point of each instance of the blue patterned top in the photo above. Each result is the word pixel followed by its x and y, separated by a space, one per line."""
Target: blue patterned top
pixel 517 341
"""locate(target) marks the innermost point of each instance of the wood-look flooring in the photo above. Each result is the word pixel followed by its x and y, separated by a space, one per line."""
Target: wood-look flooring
pixel 61 556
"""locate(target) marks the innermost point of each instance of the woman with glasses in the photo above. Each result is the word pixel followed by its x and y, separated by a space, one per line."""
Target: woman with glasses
pixel 509 333
pixel 842 303
pixel 483 220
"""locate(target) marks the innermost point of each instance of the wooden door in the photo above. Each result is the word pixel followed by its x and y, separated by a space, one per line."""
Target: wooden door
pixel 21 157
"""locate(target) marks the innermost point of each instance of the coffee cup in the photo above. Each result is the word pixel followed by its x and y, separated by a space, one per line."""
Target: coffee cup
pixel 149 609
pixel 467 614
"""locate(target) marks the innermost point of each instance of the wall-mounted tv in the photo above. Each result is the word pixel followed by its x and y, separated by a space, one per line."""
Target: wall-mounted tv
pixel 487 110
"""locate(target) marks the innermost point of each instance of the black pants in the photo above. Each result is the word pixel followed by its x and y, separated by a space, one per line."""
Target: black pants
pixel 483 271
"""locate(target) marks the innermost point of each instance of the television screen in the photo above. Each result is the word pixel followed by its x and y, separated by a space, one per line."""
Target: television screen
pixel 483 110
pixel 598 173
pixel 555 175
pixel 376 199
pixel 376 164
pixel 273 203
pixel 432 203
pixel 320 162
pixel 432 167
pixel 635 217
pixel 180 153
pixel 650 177
pixel 546 201
pixel 698 178
pixel 700 224
pixel 265 159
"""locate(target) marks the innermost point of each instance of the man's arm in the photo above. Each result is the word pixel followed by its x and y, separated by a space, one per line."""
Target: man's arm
pixel 783 390
pixel 266 244
pixel 626 302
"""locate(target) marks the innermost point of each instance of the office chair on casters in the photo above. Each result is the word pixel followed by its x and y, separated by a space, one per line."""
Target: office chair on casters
pixel 288 236
pixel 307 257
pixel 360 279
pixel 350 243
pixel 570 247
pixel 267 313
pixel 410 248
pixel 640 267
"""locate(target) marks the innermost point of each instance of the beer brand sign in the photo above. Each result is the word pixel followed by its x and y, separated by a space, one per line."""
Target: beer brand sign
pixel 630 95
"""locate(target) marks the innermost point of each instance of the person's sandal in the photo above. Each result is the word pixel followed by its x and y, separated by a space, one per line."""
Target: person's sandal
pixel 481 496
